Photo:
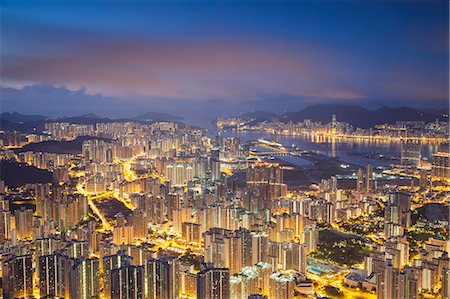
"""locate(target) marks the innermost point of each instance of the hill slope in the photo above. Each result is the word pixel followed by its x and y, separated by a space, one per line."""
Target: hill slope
pixel 359 116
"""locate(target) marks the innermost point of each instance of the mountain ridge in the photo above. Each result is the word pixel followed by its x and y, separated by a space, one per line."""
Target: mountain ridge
pixel 16 117
pixel 10 121
pixel 361 117
pixel 157 116
pixel 356 115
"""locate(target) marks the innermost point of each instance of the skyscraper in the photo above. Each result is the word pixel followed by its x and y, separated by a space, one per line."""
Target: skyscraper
pixel 215 164
pixel 162 278
pixel 411 153
pixel 84 278
pixel 407 285
pixel 140 224
pixel 191 232
pixel 390 281
pixel 213 283
pixel 17 277
pixel 110 263
pixel 127 282
pixel 360 180
pixel 445 290
pixel 440 163
pixel 53 275
pixel 264 183
pixel 397 214
pixel 23 219
pixel 281 286
pixel 369 178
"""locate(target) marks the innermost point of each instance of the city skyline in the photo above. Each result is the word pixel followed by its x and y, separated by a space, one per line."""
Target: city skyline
pixel 224 149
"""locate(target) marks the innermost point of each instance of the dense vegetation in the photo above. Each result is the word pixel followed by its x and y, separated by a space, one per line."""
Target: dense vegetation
pixel 16 174
pixel 340 248
pixel 333 291
pixel 58 147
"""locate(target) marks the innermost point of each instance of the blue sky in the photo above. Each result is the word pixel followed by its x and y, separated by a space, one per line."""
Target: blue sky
pixel 117 58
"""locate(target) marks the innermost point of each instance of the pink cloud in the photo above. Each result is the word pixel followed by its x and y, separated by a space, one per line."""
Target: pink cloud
pixel 230 70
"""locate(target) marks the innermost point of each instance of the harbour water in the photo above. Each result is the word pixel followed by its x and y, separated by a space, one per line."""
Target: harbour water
pixel 353 151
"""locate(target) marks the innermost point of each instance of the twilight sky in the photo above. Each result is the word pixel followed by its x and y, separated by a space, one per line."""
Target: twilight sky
pixel 122 58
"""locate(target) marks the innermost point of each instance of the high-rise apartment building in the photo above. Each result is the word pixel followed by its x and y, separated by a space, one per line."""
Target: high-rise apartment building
pixel 440 165
pixel 53 275
pixel 162 278
pixel 128 282
pixel 213 283
pixel 17 276
pixel 85 278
